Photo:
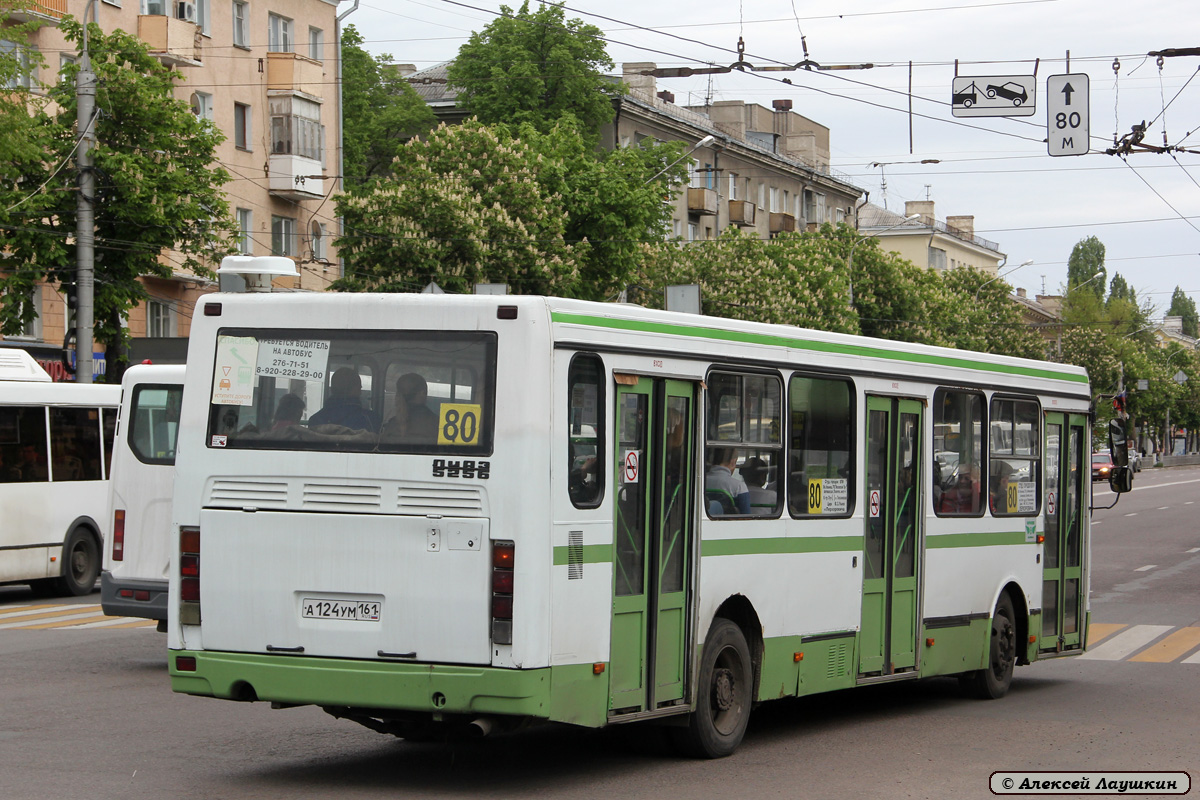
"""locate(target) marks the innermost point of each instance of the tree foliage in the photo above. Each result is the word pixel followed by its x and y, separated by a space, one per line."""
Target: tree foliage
pixel 157 187
pixel 536 67
pixel 1086 260
pixel 380 111
pixel 1185 307
pixel 476 203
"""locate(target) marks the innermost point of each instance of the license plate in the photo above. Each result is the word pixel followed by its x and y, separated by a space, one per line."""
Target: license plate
pixel 360 610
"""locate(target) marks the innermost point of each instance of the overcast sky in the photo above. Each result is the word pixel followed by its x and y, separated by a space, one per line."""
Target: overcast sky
pixel 1144 208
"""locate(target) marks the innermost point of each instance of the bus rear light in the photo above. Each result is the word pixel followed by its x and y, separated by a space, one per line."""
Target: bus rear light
pixel 503 580
pixel 125 593
pixel 118 550
pixel 185 663
pixel 189 576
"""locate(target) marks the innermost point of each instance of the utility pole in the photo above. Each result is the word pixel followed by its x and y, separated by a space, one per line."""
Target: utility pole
pixel 85 226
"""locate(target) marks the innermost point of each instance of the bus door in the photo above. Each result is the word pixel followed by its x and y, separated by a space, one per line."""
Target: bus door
pixel 1062 559
pixel 653 543
pixel 890 608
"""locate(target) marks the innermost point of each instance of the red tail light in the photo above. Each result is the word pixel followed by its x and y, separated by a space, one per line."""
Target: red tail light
pixel 503 563
pixel 118 534
pixel 189 576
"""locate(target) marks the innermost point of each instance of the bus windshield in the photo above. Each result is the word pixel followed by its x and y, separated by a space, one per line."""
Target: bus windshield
pixel 386 391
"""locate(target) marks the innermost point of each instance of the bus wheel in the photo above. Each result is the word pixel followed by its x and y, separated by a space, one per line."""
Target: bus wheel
pixel 994 681
pixel 716 727
pixel 81 565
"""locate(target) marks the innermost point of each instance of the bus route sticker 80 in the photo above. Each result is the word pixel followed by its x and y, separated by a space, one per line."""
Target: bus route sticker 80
pixel 459 423
pixel 828 496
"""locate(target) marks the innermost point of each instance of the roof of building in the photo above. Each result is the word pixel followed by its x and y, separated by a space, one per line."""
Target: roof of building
pixel 872 217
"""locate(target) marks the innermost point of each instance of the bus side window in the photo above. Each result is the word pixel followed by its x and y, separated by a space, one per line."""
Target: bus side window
pixel 585 431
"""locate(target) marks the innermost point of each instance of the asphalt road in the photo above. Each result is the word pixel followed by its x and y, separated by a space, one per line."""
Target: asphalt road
pixel 87 712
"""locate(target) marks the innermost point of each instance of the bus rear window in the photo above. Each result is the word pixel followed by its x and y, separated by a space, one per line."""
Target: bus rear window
pixel 154 423
pixel 373 391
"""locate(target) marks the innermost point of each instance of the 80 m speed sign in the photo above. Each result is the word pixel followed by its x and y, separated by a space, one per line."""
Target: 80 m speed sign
pixel 1068 129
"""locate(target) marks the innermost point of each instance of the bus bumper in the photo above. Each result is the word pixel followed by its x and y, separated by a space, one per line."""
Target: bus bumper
pixel 154 606
pixel 433 688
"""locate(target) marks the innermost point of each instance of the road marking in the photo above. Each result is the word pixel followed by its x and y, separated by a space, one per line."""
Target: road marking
pixel 1146 568
pixel 79 615
pixel 1121 645
pixel 1098 631
pixel 1194 550
pixel 1191 659
pixel 1170 648
pixel 1134 514
pixel 1189 502
pixel 1163 508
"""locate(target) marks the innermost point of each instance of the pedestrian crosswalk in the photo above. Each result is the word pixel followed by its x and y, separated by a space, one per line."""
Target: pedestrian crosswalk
pixel 1159 644
pixel 52 616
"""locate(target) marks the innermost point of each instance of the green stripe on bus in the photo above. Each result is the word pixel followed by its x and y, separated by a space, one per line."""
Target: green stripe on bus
pixel 775 546
pixel 592 554
pixel 975 539
pixel 810 344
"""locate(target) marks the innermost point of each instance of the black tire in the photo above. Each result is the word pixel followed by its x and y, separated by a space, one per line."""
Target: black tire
pixel 723 698
pixel 993 682
pixel 81 565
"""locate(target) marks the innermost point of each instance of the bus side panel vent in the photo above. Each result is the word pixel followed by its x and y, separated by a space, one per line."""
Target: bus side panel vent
pixel 574 555
pixel 837 666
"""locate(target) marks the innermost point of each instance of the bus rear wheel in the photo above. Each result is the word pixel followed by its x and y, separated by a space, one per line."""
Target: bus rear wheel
pixel 81 565
pixel 724 696
pixel 993 681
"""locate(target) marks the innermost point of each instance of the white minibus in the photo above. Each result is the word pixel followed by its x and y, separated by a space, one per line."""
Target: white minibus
pixel 138 553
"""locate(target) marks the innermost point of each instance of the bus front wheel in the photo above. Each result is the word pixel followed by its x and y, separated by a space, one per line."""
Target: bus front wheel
pixel 993 681
pixel 81 565
pixel 724 695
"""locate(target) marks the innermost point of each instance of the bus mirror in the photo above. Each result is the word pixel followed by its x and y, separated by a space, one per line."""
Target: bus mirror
pixel 1118 444
pixel 1120 480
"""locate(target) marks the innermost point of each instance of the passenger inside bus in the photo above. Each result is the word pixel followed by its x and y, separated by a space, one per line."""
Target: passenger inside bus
pixel 288 412
pixel 762 499
pixel 33 463
pixel 413 421
pixel 725 492
pixel 344 406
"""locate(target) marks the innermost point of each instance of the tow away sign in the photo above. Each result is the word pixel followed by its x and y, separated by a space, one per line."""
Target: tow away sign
pixel 994 96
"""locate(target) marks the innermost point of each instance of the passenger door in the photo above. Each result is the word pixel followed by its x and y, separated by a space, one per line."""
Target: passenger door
pixel 1062 563
pixel 890 606
pixel 653 543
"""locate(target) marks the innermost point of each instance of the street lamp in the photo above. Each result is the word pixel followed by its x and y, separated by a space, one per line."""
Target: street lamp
pixel 1000 275
pixel 706 140
pixel 860 240
pixel 1085 283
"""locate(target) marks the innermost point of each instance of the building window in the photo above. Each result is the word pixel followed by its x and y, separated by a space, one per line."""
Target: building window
pixel 316 44
pixel 159 319
pixel 22 78
pixel 733 195
pixel 283 236
pixel 774 199
pixel 296 128
pixel 245 218
pixel 280 38
pixel 241 23
pixel 32 329
pixel 317 241
pixel 203 18
pixel 937 258
pixel 241 126
pixel 202 105
pixel 696 178
pixel 762 196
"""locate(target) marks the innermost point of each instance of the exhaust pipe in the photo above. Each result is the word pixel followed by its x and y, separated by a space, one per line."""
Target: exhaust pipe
pixel 479 728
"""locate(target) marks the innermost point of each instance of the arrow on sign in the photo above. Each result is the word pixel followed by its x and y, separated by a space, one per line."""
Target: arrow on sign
pixel 1066 90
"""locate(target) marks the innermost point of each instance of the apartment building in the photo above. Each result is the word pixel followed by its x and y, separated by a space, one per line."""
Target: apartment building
pixel 266 73
pixel 930 242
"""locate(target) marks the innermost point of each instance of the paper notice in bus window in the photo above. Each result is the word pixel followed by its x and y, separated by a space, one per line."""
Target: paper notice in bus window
pixel 302 359
pixel 458 423
pixel 233 379
pixel 1026 498
pixel 828 496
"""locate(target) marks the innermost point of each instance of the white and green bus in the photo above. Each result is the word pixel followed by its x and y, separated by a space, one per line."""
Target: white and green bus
pixel 436 513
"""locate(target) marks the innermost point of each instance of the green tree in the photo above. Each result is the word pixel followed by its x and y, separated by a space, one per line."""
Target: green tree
pixel 159 207
pixel 380 111
pixel 536 67
pixel 1085 261
pixel 464 206
pixel 979 314
pixel 1185 307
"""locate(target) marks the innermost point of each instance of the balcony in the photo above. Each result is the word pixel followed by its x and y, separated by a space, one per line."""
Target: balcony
pixel 741 212
pixel 174 42
pixel 702 201
pixel 295 177
pixel 781 223
pixel 292 72
pixel 38 10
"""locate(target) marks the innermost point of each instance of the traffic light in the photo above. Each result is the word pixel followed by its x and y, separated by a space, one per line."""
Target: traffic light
pixel 72 293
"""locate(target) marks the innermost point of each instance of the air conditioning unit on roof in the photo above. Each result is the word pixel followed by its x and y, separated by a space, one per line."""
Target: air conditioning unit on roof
pixel 185 10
